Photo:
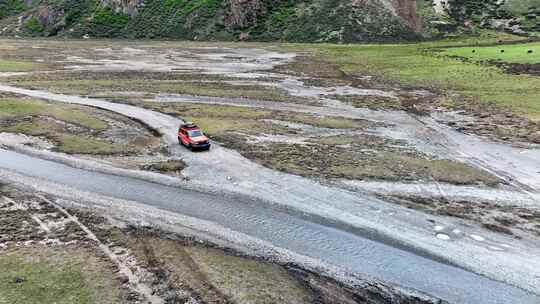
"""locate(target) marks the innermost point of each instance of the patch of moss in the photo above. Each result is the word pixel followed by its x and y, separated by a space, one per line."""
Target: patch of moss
pixel 373 161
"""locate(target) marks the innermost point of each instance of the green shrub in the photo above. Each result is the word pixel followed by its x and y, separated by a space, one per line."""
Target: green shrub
pixel 106 23
pixel 33 25
pixel 76 10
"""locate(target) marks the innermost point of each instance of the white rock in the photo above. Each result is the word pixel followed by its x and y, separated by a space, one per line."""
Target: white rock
pixel 443 236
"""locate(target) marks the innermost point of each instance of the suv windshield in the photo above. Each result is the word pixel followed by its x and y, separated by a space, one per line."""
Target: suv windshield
pixel 195 133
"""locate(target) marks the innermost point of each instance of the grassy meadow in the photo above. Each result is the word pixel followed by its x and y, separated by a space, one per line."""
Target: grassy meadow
pixel 431 65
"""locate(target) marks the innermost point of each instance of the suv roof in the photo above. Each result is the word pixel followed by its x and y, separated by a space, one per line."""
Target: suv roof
pixel 189 126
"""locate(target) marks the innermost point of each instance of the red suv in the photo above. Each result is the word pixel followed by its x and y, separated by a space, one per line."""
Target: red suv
pixel 191 136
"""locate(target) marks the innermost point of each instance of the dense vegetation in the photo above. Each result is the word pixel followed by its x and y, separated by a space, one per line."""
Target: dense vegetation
pixel 260 20
pixel 11 7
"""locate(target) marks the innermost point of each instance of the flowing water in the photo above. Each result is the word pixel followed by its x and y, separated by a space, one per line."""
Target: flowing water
pixel 349 251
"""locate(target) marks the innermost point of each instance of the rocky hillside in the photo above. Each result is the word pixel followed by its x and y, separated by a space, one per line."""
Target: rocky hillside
pixel 289 20
pixel 520 17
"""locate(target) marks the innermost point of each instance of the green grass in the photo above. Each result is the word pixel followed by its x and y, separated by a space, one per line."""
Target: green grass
pixel 61 276
pixel 327 121
pixel 15 109
pixel 10 108
pixel 420 65
pixel 517 53
pixel 214 274
pixel 77 144
pixel 336 140
pixel 67 143
pixel 248 281
pixel 218 120
pixel 17 66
